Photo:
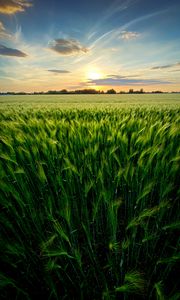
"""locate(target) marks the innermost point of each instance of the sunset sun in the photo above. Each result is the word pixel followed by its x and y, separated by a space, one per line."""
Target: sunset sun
pixel 94 74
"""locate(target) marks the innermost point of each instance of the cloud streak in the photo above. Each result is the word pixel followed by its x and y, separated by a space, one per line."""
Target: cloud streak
pixel 11 52
pixel 11 7
pixel 115 7
pixel 114 33
pixel 123 80
pixel 3 32
pixel 166 66
pixel 68 47
pixel 122 77
pixel 59 71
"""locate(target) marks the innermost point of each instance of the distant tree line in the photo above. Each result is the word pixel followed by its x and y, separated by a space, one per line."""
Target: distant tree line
pixel 83 91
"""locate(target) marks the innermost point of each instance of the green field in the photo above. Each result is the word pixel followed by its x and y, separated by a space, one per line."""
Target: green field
pixel 89 197
pixel 84 101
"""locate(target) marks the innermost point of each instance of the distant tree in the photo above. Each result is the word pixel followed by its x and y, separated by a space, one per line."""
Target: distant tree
pixel 131 91
pixel 122 92
pixel 111 91
pixel 157 92
pixel 64 91
pixel 87 91
pixel 138 91
pixel 52 92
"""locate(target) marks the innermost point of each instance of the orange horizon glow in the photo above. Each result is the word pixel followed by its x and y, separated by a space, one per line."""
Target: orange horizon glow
pixel 174 88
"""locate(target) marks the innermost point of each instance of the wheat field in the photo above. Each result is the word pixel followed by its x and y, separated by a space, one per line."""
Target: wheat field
pixel 89 197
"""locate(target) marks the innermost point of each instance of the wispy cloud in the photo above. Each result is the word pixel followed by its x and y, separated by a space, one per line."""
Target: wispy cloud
pixel 4 34
pixel 115 7
pixel 10 7
pixel 68 47
pixel 166 66
pixel 177 70
pixel 11 52
pixel 115 33
pixel 129 35
pixel 123 80
pixel 122 77
pixel 59 71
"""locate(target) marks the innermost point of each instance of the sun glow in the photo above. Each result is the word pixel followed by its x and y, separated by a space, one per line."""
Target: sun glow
pixel 94 74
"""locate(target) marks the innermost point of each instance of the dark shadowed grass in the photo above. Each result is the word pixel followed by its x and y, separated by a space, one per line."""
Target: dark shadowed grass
pixel 89 203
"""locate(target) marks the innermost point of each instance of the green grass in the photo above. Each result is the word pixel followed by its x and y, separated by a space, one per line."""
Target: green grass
pixel 89 199
pixel 81 101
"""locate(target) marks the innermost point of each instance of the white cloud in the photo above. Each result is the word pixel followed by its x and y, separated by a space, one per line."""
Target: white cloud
pixel 129 35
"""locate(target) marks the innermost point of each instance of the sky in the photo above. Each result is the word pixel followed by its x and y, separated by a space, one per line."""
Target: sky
pixel 102 44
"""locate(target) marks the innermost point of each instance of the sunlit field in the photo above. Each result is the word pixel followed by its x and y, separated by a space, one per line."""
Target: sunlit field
pixel 86 101
pixel 89 197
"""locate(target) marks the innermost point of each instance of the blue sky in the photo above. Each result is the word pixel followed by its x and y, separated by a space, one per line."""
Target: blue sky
pixel 89 44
